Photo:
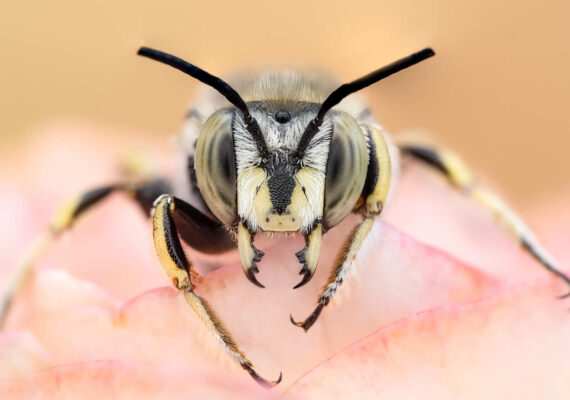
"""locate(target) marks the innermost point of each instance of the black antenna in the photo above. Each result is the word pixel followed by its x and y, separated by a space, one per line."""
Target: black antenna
pixel 354 86
pixel 225 90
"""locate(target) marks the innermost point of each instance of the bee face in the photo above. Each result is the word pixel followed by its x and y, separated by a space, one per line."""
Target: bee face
pixel 281 191
pixel 281 196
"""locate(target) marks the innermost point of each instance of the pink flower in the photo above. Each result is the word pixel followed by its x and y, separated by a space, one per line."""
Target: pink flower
pixel 443 304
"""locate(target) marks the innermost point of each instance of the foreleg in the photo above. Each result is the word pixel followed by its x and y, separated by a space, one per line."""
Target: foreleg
pixel 379 176
pixel 180 271
pixel 142 192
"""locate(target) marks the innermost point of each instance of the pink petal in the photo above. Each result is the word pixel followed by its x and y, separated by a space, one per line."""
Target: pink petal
pixel 20 353
pixel 110 248
pixel 513 346
pixel 67 158
pixel 426 207
pixel 17 226
pixel 128 380
pixel 396 277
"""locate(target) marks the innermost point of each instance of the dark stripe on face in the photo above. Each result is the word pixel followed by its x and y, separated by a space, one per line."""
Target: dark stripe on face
pixel 280 191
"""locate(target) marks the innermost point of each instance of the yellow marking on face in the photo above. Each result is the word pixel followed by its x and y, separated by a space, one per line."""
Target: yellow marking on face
pixel 290 220
pixel 249 184
pixel 178 276
pixel 280 223
pixel 306 206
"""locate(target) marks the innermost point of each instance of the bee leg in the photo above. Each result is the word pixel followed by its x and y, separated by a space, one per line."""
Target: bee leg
pixel 309 255
pixel 179 270
pixel 249 254
pixel 201 232
pixel 343 268
pixel 379 174
pixel 457 173
pixel 143 193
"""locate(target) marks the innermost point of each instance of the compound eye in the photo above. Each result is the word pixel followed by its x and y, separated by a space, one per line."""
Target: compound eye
pixel 346 169
pixel 216 167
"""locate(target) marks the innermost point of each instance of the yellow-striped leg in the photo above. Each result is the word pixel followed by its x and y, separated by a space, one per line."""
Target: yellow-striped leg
pixel 63 220
pixel 213 238
pixel 180 271
pixel 457 173
pixel 380 174
pixel 343 268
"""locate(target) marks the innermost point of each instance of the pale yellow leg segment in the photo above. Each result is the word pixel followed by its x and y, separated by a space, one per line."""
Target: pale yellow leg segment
pixel 451 166
pixel 373 205
pixel 376 200
pixel 309 256
pixel 64 216
pixel 249 255
pixel 518 230
pixel 179 270
pixel 137 166
pixel 22 274
pixel 168 247
pixel 62 221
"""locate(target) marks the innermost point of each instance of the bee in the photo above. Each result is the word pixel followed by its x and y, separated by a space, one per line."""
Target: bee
pixel 285 152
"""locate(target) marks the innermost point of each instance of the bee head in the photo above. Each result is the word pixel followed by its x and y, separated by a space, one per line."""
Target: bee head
pixel 281 165
pixel 279 190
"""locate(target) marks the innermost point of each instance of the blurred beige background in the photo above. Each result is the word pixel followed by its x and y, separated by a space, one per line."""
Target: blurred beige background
pixel 498 90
